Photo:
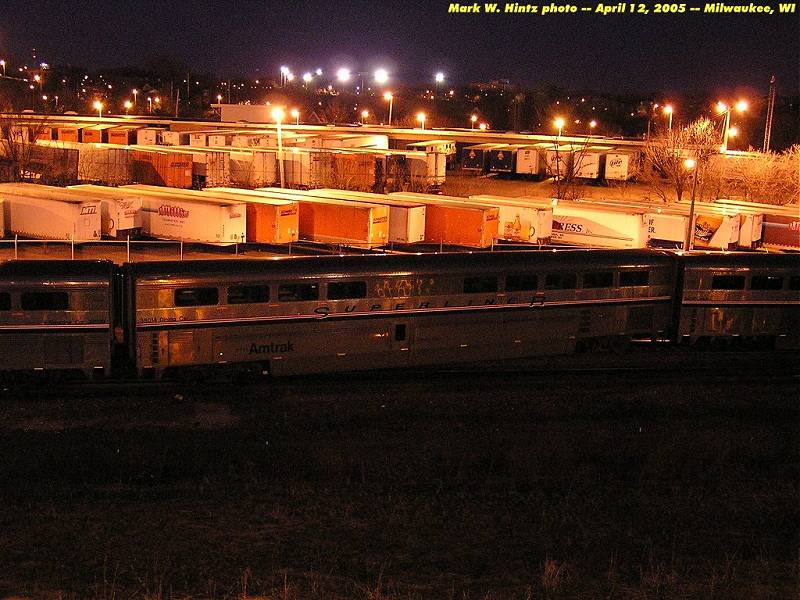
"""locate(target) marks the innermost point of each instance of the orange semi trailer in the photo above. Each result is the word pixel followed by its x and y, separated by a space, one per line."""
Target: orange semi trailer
pixel 335 221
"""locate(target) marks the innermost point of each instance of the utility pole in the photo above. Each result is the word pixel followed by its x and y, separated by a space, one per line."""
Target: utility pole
pixel 770 110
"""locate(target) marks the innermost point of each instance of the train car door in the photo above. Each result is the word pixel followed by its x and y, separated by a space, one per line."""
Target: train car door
pixel 401 341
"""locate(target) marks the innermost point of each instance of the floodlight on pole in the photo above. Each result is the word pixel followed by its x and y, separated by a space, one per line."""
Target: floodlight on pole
pixel 128 105
pixel 483 126
pixel 296 116
pixel 381 76
pixel 135 93
pixel 388 96
pixel 307 77
pixel 472 120
pixel 98 106
pixel 278 115
pixel 668 111
pixel 559 123
pixel 724 109
pixel 343 75
pixel 690 163
pixel 421 118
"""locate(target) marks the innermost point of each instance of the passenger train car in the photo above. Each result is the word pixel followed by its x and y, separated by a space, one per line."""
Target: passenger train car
pixel 295 315
pixel 56 316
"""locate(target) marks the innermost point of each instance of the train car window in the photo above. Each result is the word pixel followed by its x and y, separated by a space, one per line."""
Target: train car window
pixel 521 283
pixel 632 278
pixel 766 282
pixel 344 290
pixel 45 301
pixel 727 282
pixel 5 301
pixel 248 294
pixel 480 285
pixel 794 282
pixel 598 279
pixel 196 296
pixel 297 292
pixel 560 281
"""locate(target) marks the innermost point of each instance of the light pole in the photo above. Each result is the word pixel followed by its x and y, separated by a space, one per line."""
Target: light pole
pixel 278 114
pixel 668 111
pixel 135 96
pixel 98 106
pixel 364 115
pixel 149 105
pixel 3 64
pixel 296 116
pixel 724 109
pixel 559 123
pixel 127 106
pixel 388 96
pixel 483 126
pixel 421 119
pixel 691 163
pixel 592 125
pixel 438 80
pixel 472 120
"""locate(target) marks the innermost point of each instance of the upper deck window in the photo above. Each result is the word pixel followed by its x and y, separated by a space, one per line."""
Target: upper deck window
pixel 196 296
pixel 345 290
pixel 480 285
pixel 560 281
pixel 521 283
pixel 766 282
pixel 633 278
pixel 298 292
pixel 45 301
pixel 248 294
pixel 727 282
pixel 598 279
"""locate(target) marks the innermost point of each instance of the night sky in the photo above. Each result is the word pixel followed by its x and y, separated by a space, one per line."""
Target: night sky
pixel 688 52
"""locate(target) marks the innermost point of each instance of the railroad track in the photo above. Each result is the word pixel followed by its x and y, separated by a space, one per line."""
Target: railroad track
pixel 649 365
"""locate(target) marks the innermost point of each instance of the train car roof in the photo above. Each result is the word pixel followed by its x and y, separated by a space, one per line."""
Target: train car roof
pixel 51 270
pixel 742 259
pixel 398 264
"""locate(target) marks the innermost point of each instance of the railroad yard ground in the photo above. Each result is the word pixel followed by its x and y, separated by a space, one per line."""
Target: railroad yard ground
pixel 569 477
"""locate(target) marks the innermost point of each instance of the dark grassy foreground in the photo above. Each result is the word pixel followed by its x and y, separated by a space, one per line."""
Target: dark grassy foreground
pixel 437 486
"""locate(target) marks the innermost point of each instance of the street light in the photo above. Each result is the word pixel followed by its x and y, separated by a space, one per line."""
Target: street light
pixel 278 115
pixel 135 94
pixel 284 72
pixel 724 109
pixel 364 115
pixel 296 116
pixel 690 163
pixel 388 96
pixel 559 123
pixel 98 106
pixel 381 76
pixel 668 111
pixel 343 75
pixel 127 106
pixel 472 120
pixel 219 98
pixel 3 64
pixel 483 126
pixel 307 77
pixel 439 77
pixel 421 119
pixel 592 125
